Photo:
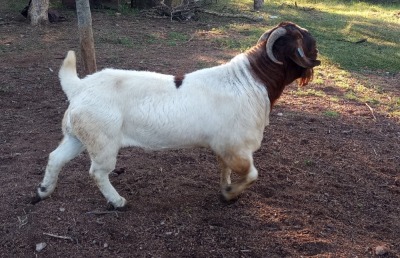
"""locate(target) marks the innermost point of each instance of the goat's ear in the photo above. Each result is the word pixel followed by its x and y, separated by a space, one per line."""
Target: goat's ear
pixel 302 60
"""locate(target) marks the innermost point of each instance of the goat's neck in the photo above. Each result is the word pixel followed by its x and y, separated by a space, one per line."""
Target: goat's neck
pixel 273 79
pixel 273 76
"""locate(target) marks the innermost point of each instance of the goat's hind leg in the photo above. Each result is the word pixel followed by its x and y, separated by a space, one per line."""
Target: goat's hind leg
pixel 69 148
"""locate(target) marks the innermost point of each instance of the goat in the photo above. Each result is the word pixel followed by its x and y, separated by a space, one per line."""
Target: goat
pixel 224 108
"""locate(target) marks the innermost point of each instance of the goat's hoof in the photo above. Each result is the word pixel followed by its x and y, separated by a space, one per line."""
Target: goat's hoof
pixel 227 196
pixel 38 197
pixel 35 199
pixel 225 200
pixel 111 207
pixel 121 207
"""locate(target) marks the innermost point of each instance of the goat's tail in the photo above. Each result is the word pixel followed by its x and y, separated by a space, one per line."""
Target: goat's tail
pixel 69 79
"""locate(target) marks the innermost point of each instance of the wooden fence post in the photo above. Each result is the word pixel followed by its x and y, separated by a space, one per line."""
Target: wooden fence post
pixel 86 36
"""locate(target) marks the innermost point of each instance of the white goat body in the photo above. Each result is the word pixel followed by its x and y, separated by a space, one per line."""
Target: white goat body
pixel 145 109
pixel 225 108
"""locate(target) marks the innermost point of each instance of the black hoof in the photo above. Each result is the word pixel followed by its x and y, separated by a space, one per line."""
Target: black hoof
pixel 225 201
pixel 35 199
pixel 111 207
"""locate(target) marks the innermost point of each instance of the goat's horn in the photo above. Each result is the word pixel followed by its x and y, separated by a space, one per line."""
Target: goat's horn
pixel 275 35
pixel 264 36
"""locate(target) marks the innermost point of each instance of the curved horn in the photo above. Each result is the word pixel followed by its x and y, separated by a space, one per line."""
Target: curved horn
pixel 264 36
pixel 275 35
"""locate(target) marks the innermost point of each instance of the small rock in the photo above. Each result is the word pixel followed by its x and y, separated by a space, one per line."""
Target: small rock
pixel 279 114
pixel 62 209
pixel 40 246
pixel 105 245
pixel 347 131
pixel 381 250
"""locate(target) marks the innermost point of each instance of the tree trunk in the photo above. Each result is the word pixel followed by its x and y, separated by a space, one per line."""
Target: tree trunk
pixel 258 4
pixel 86 36
pixel 38 12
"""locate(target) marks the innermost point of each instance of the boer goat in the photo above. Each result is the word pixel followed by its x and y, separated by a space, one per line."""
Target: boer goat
pixel 225 108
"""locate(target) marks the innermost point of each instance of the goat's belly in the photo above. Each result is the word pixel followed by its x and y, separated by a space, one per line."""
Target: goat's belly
pixel 162 142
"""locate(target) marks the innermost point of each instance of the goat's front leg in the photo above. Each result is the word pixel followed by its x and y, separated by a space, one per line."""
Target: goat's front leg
pixel 225 179
pixel 241 165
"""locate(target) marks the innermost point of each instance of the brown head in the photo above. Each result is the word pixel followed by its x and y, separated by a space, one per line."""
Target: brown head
pixel 282 55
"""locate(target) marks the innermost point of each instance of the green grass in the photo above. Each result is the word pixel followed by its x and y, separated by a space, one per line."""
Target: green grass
pixel 125 41
pixel 331 113
pixel 337 26
pixel 309 92
pixel 175 38
pixel 117 40
pixel 16 5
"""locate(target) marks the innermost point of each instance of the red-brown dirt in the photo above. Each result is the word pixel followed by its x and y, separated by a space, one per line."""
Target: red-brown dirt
pixel 328 186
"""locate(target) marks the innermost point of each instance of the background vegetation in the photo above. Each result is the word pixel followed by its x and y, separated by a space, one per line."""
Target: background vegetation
pixel 355 39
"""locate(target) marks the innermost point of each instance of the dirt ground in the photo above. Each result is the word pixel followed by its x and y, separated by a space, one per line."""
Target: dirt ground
pixel 328 186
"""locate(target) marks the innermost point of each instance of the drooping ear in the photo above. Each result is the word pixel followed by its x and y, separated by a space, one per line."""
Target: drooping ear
pixel 299 57
pixel 302 60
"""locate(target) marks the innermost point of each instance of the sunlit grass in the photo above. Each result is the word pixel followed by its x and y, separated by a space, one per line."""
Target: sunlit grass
pixel 331 113
pixel 309 92
pixel 354 38
pixel 338 26
pixel 174 38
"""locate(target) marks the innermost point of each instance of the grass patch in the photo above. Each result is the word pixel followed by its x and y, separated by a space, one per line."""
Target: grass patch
pixel 117 40
pixel 150 38
pixel 337 25
pixel 351 96
pixel 15 6
pixel 309 92
pixel 331 113
pixel 124 41
pixel 175 38
pixel 237 36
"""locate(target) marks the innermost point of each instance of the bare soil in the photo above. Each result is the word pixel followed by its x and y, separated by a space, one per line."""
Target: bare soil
pixel 328 187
